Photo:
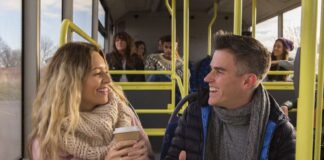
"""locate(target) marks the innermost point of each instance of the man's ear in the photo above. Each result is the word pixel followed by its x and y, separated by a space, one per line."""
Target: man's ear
pixel 250 80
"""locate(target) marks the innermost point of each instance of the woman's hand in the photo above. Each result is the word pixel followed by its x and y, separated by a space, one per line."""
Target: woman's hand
pixel 139 151
pixel 120 150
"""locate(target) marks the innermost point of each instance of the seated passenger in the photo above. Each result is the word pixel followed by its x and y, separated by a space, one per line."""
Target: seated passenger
pixel 77 108
pixel 279 59
pixel 240 120
pixel 120 58
pixel 138 53
pixel 160 47
pixel 140 50
pixel 162 61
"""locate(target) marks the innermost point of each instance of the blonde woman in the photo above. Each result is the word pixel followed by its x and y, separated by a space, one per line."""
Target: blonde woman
pixel 77 107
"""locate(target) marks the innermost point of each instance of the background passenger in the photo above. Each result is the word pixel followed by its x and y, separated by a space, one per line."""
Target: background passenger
pixel 162 61
pixel 279 58
pixel 138 58
pixel 160 46
pixel 120 58
pixel 77 108
pixel 140 49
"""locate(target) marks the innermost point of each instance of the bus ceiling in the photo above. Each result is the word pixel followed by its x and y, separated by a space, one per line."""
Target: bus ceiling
pixel 265 8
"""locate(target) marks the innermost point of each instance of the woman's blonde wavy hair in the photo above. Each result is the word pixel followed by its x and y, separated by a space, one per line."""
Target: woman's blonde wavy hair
pixel 59 96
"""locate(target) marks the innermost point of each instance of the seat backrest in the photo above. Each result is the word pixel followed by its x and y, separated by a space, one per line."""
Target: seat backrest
pixel 173 123
pixel 203 69
pixel 174 117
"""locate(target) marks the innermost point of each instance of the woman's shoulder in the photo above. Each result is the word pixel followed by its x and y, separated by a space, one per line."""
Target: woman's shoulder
pixel 110 54
pixel 35 149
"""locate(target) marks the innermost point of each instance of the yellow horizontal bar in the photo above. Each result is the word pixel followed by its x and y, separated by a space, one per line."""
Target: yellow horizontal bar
pixel 295 109
pixel 155 131
pixel 280 72
pixel 154 111
pixel 278 85
pixel 145 85
pixel 138 72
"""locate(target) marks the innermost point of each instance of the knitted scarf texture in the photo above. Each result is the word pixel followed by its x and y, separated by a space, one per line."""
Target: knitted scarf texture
pixel 94 132
pixel 260 110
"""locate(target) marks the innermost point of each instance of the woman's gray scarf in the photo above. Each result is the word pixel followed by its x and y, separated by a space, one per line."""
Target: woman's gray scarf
pixel 259 113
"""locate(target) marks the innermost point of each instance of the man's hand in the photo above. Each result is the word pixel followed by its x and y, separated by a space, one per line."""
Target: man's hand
pixel 182 155
pixel 285 109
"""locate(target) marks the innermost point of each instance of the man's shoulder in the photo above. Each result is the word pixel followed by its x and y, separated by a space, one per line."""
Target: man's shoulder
pixel 194 106
pixel 154 55
pixel 284 131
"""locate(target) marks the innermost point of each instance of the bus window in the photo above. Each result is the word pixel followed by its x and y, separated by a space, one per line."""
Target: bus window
pixel 10 79
pixel 291 27
pixel 267 32
pixel 82 16
pixel 51 16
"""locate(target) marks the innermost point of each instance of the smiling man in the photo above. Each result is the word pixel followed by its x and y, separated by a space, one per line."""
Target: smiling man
pixel 241 120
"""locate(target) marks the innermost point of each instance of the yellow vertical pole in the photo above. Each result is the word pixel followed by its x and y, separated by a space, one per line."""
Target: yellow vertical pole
pixel 64 32
pixel 319 98
pixel 167 5
pixel 210 26
pixel 254 17
pixel 237 17
pixel 185 46
pixel 305 109
pixel 174 50
pixel 173 47
pixel 172 11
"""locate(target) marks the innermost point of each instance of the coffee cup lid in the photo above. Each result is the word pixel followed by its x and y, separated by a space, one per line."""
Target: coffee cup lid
pixel 126 129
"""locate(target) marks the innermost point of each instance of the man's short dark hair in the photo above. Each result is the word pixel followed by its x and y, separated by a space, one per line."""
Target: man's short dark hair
pixel 250 55
pixel 166 38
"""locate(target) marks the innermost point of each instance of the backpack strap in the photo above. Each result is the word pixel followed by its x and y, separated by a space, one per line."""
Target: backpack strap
pixel 271 127
pixel 205 110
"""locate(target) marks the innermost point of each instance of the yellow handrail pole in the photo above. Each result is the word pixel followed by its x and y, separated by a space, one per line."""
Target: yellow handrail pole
pixel 237 17
pixel 319 98
pixel 280 72
pixel 64 32
pixel 181 87
pixel 173 47
pixel 210 26
pixel 66 25
pixel 254 17
pixel 185 47
pixel 172 11
pixel 167 5
pixel 305 111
